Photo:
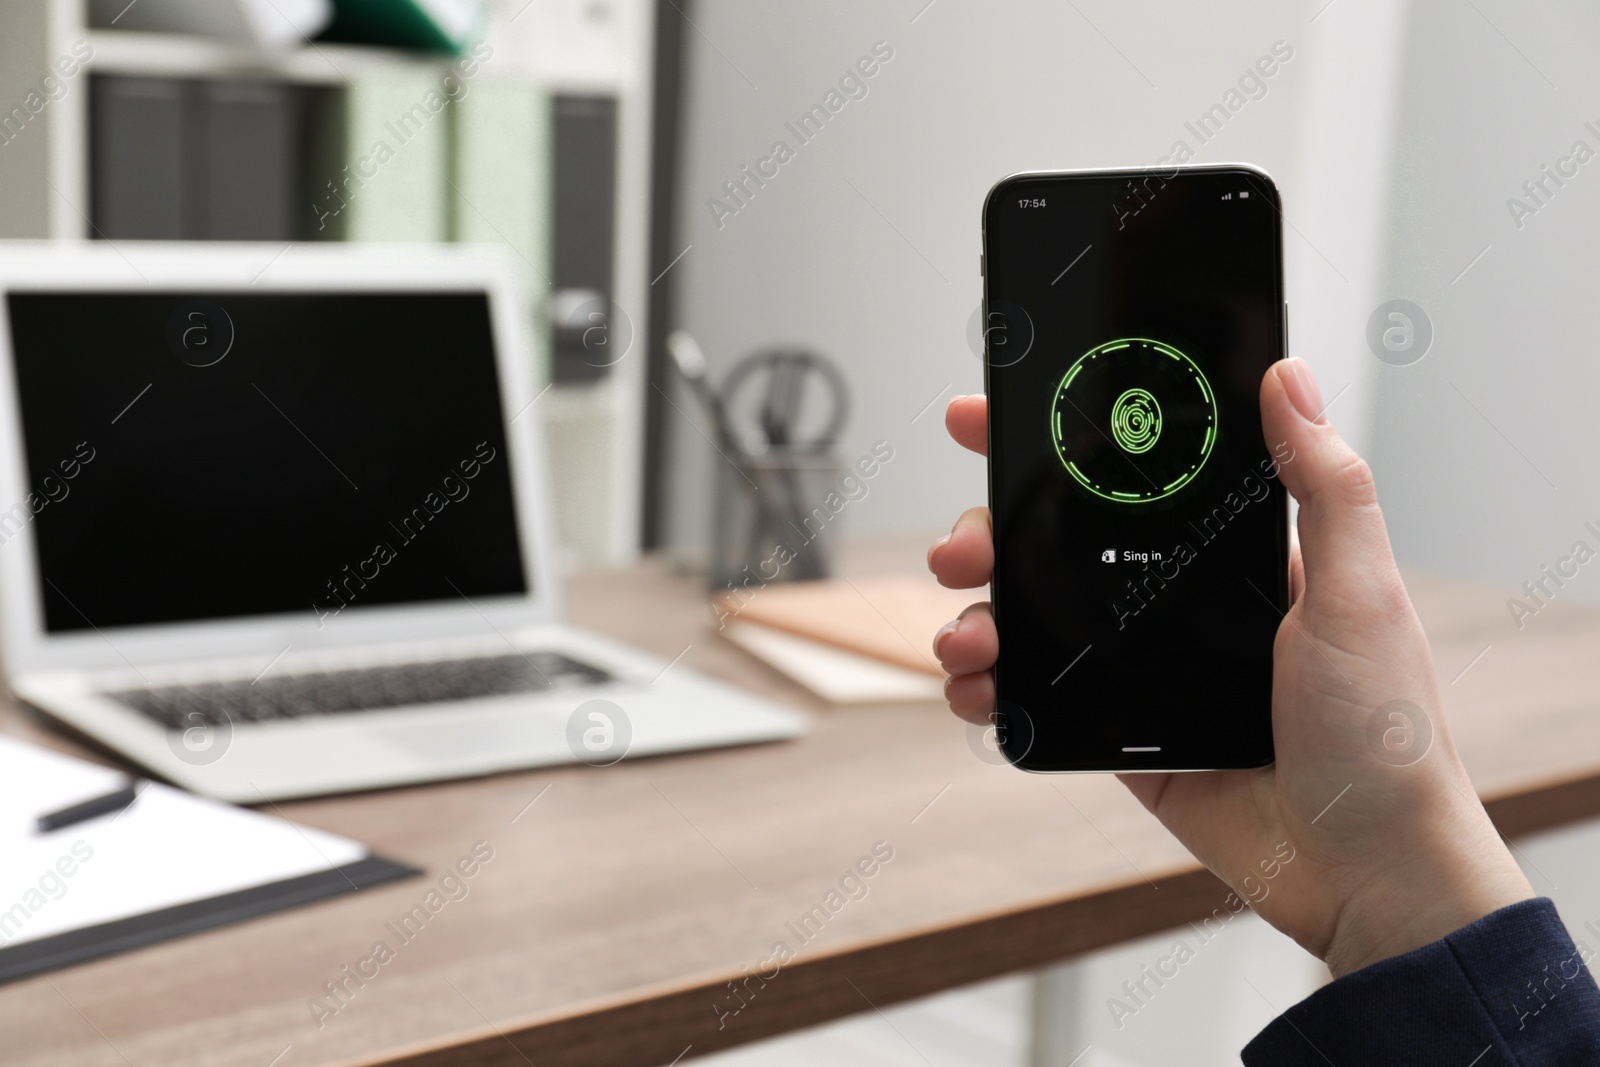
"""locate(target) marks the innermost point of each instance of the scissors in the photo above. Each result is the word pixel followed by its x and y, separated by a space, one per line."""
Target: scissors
pixel 790 381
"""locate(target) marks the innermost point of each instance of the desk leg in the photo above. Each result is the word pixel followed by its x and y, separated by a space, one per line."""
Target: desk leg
pixel 1059 1030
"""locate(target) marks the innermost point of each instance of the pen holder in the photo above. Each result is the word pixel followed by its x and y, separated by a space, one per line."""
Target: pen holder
pixel 775 518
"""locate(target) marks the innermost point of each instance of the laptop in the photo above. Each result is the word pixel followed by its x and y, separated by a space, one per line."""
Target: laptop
pixel 277 523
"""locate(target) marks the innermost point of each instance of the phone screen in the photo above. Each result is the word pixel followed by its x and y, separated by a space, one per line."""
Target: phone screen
pixel 1141 531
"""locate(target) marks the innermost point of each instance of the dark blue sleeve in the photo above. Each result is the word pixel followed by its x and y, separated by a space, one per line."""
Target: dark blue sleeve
pixel 1511 990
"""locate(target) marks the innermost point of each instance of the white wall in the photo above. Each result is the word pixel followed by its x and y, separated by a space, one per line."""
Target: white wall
pixel 1479 446
pixel 1485 448
pixel 974 91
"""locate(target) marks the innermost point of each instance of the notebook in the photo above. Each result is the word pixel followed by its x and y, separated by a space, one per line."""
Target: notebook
pixel 892 619
pixel 169 864
pixel 837 676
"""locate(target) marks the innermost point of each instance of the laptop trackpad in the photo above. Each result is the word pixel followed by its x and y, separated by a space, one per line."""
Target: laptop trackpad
pixel 478 733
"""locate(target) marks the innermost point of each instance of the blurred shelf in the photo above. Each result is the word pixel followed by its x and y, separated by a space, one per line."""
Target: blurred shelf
pixel 183 55
pixel 602 48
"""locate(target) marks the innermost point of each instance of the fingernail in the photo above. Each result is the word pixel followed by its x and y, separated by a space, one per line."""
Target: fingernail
pixel 959 396
pixel 1302 388
pixel 939 638
pixel 936 546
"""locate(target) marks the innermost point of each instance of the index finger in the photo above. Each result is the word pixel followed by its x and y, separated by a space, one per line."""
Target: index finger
pixel 967 419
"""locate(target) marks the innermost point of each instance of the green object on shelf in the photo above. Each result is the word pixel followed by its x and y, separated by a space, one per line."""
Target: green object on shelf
pixel 379 161
pixel 499 191
pixel 431 25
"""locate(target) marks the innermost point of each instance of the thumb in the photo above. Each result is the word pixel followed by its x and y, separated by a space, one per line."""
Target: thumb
pixel 1343 542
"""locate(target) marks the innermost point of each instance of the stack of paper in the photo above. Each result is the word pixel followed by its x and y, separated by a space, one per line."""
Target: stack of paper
pixel 171 863
pixel 850 642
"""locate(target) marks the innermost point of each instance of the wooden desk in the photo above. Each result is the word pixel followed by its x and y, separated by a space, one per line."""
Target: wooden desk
pixel 618 906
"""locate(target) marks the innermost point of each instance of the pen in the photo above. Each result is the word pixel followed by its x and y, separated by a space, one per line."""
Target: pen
pixel 89 809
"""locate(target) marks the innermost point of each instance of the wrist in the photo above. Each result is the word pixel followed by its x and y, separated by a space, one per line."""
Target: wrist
pixel 1439 891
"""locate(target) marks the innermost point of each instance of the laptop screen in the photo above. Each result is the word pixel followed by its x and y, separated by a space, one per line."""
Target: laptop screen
pixel 197 456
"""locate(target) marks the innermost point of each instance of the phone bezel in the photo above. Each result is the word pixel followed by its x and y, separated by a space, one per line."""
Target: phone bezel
pixel 1132 764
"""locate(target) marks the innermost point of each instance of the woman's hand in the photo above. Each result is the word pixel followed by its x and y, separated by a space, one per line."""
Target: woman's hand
pixel 1387 857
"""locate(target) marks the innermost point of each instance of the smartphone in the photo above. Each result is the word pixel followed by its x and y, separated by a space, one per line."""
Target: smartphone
pixel 1140 527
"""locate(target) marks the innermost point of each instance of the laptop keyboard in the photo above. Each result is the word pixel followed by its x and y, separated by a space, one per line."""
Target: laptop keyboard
pixel 295 696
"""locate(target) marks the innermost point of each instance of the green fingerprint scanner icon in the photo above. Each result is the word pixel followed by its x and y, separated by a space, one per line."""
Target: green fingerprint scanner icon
pixel 1112 434
pixel 1136 421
